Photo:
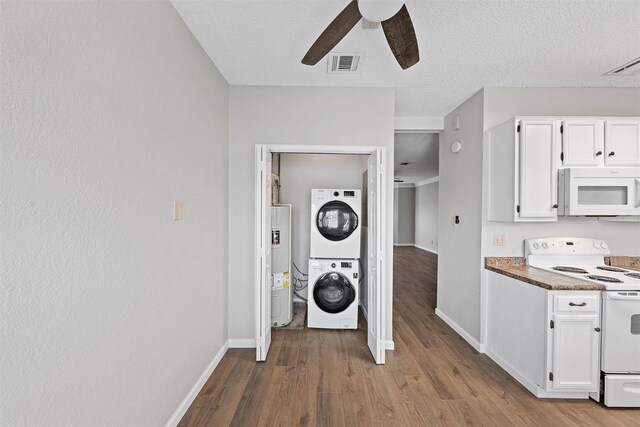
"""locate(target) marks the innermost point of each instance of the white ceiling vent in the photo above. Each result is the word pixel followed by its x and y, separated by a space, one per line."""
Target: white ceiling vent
pixel 341 63
pixel 631 68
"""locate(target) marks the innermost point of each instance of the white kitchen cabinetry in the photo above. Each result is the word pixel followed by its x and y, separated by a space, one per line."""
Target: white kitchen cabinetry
pixel 523 179
pixel 547 340
pixel 622 142
pixel 582 142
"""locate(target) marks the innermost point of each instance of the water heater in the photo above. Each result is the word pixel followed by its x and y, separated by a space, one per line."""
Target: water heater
pixel 281 284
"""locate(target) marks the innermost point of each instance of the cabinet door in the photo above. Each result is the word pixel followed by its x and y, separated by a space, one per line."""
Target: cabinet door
pixel 622 143
pixel 537 189
pixel 582 142
pixel 575 364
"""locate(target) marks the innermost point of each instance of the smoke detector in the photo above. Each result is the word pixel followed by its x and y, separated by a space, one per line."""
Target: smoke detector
pixel 342 63
pixel 631 68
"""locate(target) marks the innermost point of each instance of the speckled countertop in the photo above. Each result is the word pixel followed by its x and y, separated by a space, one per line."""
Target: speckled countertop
pixel 517 268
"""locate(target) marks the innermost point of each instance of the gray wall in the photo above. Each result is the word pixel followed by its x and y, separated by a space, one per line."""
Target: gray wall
pixel 296 116
pixel 460 193
pixel 404 216
pixel 110 111
pixel 426 217
pixel 299 173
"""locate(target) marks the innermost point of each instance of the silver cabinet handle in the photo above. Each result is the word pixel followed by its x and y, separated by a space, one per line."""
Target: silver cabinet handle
pixel 573 304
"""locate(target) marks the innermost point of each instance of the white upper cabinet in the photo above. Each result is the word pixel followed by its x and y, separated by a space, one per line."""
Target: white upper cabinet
pixel 582 143
pixel 524 155
pixel 622 142
pixel 538 178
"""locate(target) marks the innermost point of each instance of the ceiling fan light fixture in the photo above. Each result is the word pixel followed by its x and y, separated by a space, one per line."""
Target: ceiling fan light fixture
pixel 379 10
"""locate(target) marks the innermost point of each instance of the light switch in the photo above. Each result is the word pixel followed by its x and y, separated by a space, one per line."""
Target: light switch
pixel 177 211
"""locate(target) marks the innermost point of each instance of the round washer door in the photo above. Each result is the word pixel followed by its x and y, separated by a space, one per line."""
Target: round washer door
pixel 336 221
pixel 333 292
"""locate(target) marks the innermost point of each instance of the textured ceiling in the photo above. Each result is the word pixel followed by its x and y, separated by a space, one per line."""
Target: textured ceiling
pixel 420 151
pixel 464 45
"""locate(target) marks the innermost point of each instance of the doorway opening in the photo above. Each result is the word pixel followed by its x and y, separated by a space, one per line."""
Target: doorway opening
pixel 351 173
pixel 416 204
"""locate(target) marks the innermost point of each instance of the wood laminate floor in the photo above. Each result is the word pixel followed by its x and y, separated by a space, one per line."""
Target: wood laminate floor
pixel 328 378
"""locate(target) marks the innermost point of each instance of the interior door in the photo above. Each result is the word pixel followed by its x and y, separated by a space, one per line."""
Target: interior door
pixel 375 265
pixel 263 258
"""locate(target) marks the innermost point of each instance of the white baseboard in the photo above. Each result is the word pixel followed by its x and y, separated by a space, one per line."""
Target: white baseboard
pixel 535 389
pixel 389 345
pixel 403 244
pixel 426 249
pixel 188 400
pixel 460 331
pixel 242 343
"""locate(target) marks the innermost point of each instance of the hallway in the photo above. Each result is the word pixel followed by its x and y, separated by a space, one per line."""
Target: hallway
pixel 328 378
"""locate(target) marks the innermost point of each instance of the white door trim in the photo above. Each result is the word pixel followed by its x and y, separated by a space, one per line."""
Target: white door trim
pixel 319 149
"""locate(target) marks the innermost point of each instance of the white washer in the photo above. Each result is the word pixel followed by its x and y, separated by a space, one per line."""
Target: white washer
pixel 333 294
pixel 335 223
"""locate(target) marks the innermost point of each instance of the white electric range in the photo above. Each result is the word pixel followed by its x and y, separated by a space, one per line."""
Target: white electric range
pixel 583 258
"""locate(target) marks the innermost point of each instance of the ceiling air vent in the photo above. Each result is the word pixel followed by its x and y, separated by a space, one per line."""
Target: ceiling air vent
pixel 344 62
pixel 631 68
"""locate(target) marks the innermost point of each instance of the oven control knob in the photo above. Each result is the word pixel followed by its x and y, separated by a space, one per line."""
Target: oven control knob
pixel 544 245
pixel 536 246
pixel 603 245
pixel 596 245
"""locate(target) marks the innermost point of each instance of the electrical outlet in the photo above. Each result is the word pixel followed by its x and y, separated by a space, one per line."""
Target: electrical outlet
pixel 498 240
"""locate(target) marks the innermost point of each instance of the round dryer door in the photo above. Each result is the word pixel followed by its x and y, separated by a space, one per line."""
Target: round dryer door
pixel 333 292
pixel 336 220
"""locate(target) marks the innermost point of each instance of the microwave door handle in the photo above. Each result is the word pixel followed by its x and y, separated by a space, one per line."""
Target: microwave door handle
pixel 637 182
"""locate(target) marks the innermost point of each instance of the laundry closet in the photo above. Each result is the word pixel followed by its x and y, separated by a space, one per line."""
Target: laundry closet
pixel 319 236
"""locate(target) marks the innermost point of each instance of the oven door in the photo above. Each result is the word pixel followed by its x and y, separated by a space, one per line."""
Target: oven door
pixel 621 331
pixel 600 191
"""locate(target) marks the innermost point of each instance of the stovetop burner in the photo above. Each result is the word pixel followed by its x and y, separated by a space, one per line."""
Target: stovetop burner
pixel 613 269
pixel 604 278
pixel 570 269
pixel 633 275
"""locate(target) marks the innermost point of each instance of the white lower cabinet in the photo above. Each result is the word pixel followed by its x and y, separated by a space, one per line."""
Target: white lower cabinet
pixel 547 340
pixel 574 353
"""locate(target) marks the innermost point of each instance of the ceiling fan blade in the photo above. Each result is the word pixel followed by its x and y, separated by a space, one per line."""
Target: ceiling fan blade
pixel 331 36
pixel 402 38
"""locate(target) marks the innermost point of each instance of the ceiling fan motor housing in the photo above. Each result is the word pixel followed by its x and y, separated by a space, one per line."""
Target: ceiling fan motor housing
pixel 379 10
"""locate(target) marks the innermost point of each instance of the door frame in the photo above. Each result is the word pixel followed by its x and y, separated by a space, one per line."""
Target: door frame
pixel 313 149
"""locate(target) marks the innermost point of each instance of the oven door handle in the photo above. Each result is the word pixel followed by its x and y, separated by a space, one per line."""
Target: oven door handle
pixel 623 297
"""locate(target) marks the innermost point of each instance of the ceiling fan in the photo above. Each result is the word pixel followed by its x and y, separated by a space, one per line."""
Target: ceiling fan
pixel 396 24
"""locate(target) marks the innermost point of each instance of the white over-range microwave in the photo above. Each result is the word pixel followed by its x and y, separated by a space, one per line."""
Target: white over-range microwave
pixel 599 191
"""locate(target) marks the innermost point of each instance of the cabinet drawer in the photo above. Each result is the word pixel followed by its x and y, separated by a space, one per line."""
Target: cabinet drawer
pixel 576 303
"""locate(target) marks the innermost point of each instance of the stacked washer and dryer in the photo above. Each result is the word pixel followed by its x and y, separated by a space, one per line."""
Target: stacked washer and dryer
pixel 333 264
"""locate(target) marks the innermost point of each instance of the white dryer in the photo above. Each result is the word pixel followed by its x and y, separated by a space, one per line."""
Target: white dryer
pixel 333 294
pixel 335 223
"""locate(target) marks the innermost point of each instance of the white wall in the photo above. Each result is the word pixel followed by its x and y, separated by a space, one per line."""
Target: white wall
pixel 299 173
pixel 298 116
pixel 501 104
pixel 110 310
pixel 460 193
pixel 404 215
pixel 426 216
